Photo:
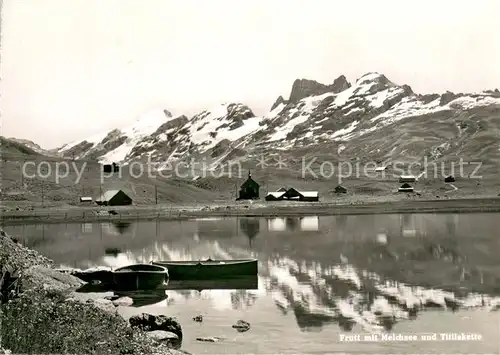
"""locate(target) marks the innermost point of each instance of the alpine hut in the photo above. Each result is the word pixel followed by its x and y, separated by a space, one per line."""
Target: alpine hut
pixel 340 189
pixel 405 188
pixel 114 198
pixel 110 168
pixel 85 199
pixel 449 179
pixel 275 195
pixel 407 178
pixel 293 194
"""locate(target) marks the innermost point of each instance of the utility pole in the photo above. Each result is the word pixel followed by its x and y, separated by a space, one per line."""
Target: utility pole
pixel 22 175
pixel 42 192
pixel 156 194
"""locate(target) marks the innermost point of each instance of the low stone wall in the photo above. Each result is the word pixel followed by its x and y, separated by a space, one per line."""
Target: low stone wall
pixel 40 312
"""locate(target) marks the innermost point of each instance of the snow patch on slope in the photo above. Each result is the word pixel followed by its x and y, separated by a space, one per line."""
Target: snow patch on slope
pixel 309 104
pixel 210 127
pixel 408 107
pixel 344 132
pixel 207 130
pixel 377 100
pixel 274 113
pixel 362 87
pixel 94 139
pixel 144 126
pixel 469 102
pixel 281 132
pixel 312 102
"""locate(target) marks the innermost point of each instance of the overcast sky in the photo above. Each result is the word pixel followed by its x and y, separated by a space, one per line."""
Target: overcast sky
pixel 71 68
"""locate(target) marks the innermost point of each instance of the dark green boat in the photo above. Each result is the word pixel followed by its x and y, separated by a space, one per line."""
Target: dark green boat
pixel 140 277
pixel 209 269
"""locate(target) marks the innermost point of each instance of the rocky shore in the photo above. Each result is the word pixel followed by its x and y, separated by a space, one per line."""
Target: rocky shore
pixel 40 312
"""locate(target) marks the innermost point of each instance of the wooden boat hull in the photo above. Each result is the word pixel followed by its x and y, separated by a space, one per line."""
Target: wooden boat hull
pixel 210 269
pixel 140 277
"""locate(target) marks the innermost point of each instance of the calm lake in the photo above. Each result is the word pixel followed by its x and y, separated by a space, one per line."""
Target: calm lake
pixel 320 279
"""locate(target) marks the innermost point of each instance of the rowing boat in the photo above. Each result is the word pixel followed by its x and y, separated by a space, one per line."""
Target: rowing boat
pixel 209 269
pixel 139 277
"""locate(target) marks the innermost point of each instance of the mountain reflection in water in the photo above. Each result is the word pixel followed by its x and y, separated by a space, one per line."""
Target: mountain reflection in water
pixel 315 294
pixel 331 273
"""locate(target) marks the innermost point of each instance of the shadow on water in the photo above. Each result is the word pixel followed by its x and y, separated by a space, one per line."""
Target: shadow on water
pixel 250 227
pixel 121 227
pixel 242 283
pixel 143 298
pixel 112 251
pixel 140 298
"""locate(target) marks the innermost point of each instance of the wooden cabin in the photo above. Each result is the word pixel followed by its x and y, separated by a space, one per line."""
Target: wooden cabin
pixel 407 178
pixel 110 168
pixel 275 196
pixel 449 179
pixel 340 190
pixel 406 188
pixel 114 198
pixel 293 195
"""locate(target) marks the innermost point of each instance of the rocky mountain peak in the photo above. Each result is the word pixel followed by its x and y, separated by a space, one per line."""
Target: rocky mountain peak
pixel 302 88
pixel 447 97
pixel 373 77
pixel 495 92
pixel 340 84
pixel 315 116
pixel 280 100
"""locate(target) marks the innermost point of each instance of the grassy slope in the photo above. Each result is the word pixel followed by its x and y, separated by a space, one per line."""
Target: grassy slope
pixel 15 149
pixel 20 190
pixel 68 189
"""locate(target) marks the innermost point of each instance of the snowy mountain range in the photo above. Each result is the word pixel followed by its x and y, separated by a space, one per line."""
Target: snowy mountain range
pixel 373 117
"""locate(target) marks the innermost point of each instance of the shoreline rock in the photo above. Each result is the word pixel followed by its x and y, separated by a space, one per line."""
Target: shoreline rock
pixel 241 326
pixel 45 316
pixel 150 324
